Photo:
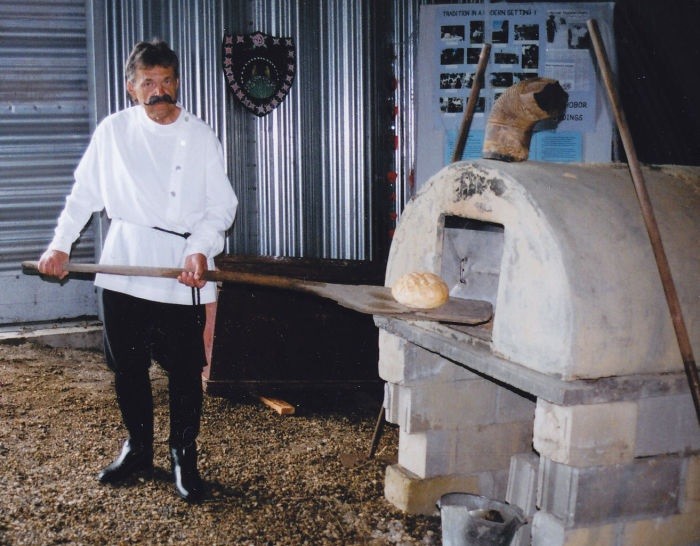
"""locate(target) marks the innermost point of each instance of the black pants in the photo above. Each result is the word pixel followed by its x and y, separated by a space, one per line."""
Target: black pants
pixel 138 331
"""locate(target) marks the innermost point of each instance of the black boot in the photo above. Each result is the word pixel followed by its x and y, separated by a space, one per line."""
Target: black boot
pixel 133 458
pixel 188 484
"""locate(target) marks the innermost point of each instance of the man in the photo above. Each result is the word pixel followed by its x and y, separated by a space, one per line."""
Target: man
pixel 159 174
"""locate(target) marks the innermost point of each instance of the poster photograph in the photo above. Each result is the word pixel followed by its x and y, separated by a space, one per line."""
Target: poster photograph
pixel 527 41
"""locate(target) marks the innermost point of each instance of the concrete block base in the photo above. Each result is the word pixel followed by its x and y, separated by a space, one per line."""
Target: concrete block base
pixel 522 492
pixel 415 495
pixel 595 495
pixel 613 462
pixel 571 434
pixel 549 531
pixel 675 530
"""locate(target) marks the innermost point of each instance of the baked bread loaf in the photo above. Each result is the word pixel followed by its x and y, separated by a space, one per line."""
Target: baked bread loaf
pixel 420 290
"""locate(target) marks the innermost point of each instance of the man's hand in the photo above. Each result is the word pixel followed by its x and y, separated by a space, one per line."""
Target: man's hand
pixel 195 266
pixel 51 263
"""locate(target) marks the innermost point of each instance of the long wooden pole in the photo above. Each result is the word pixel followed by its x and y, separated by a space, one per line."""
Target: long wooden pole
pixel 652 227
pixel 477 84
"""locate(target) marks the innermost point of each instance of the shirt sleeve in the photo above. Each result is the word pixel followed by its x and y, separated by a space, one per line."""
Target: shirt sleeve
pixel 83 200
pixel 221 203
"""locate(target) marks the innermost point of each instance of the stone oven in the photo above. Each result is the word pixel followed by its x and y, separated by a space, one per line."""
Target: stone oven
pixel 572 401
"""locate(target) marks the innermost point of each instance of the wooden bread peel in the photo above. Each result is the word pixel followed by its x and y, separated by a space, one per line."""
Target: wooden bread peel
pixel 369 299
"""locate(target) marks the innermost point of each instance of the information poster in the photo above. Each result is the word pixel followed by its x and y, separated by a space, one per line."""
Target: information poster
pixel 527 41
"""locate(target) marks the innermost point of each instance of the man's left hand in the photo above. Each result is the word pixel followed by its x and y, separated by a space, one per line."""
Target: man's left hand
pixel 195 266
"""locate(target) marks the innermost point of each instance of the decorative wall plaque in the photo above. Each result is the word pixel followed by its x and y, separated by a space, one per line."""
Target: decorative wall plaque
pixel 259 69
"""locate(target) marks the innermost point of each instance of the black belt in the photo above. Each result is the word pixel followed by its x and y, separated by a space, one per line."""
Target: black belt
pixel 183 235
pixel 195 291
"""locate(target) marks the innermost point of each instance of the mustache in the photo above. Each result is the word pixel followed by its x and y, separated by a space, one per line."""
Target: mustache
pixel 155 99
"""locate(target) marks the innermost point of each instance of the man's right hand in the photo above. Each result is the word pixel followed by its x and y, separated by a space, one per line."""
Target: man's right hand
pixel 51 263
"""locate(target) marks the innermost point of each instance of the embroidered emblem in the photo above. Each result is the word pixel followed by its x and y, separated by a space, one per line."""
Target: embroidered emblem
pixel 259 69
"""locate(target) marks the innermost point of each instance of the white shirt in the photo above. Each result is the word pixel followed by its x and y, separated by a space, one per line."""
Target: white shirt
pixel 145 175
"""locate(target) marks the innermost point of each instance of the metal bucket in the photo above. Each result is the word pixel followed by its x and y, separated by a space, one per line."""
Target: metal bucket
pixel 473 520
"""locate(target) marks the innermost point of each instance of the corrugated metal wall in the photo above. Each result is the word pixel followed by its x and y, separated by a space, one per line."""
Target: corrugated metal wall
pixel 405 38
pixel 314 155
pixel 304 173
pixel 44 128
pixel 320 157
pixel 43 121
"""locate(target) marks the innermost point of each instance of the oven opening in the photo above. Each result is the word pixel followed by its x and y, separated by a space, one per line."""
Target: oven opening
pixel 471 258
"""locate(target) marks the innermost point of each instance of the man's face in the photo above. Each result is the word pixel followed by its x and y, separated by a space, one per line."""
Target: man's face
pixel 156 89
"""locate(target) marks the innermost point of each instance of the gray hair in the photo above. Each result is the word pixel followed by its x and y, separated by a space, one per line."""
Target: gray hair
pixel 150 54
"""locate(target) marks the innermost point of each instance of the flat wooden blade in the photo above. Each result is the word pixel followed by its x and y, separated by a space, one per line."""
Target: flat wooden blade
pixel 369 299
pixel 377 300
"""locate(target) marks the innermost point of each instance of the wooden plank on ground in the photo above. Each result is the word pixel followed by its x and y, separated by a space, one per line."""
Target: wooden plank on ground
pixel 280 406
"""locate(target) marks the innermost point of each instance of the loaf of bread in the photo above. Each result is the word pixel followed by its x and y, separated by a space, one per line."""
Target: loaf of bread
pixel 420 290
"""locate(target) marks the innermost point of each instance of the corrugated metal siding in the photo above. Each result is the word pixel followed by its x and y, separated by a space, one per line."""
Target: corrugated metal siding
pixel 314 152
pixel 44 124
pixel 405 32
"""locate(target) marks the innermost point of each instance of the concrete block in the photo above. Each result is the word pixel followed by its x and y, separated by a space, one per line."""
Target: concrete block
pixel 415 495
pixel 392 397
pixel 587 435
pixel 675 530
pixel 490 447
pixel 522 491
pixel 550 531
pixel 493 484
pixel 597 495
pixel 514 406
pixel 666 424
pixel 428 405
pixel 427 454
pixel 691 499
pixel 401 361
pixel 522 481
pixel 391 357
pixel 432 404
pixel 457 404
pixel 473 448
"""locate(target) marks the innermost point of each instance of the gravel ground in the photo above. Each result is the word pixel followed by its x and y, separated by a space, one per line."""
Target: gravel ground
pixel 271 479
